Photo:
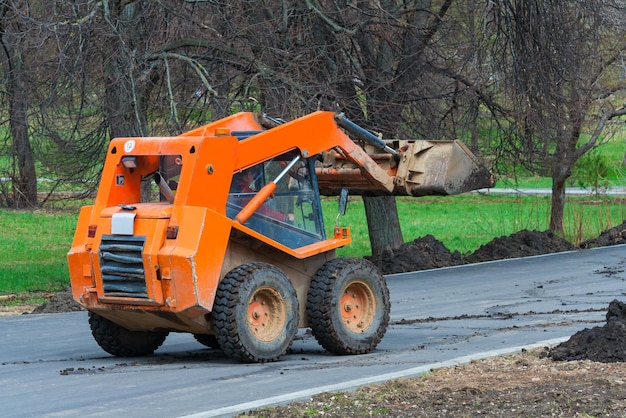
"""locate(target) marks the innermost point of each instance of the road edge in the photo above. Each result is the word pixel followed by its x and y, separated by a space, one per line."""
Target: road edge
pixel 230 411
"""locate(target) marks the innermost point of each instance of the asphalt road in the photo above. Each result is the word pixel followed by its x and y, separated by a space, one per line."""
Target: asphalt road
pixel 50 365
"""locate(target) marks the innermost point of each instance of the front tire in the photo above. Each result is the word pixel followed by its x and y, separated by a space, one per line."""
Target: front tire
pixel 348 306
pixel 121 342
pixel 255 314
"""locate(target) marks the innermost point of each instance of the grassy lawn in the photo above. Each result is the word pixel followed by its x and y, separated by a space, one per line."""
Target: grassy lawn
pixel 466 222
pixel 34 245
pixel 33 249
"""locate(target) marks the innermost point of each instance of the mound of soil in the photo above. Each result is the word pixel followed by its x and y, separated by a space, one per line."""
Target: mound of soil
pixel 605 344
pixel 420 254
pixel 613 236
pixel 428 253
pixel 60 302
pixel 521 244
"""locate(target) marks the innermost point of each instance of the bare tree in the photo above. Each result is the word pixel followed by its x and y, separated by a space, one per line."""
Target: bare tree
pixel 14 45
pixel 561 62
pixel 102 67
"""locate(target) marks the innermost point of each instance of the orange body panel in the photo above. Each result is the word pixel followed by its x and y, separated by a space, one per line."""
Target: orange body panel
pixel 186 247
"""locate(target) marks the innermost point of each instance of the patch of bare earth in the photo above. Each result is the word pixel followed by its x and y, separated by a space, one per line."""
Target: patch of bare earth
pixel 582 377
pixel 528 384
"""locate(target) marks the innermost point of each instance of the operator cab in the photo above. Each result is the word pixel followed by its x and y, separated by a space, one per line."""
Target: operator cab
pixel 292 216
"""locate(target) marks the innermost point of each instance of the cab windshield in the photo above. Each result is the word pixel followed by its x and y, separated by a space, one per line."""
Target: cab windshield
pixel 292 215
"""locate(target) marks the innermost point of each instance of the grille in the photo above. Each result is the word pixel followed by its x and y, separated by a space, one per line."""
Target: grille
pixel 121 266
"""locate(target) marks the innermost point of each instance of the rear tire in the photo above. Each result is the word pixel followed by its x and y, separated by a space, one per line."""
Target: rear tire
pixel 255 314
pixel 122 342
pixel 348 306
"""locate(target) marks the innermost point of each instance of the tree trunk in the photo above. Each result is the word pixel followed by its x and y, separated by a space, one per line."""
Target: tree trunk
pixel 123 97
pixel 25 182
pixel 125 74
pixel 558 207
pixel 383 223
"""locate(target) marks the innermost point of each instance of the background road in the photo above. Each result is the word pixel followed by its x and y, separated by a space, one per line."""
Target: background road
pixel 50 365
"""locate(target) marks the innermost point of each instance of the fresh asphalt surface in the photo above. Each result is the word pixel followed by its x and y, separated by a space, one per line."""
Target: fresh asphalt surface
pixel 50 365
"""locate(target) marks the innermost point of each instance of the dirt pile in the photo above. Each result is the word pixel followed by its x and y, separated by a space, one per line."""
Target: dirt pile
pixel 521 385
pixel 613 236
pixel 428 253
pixel 605 344
pixel 420 254
pixel 521 244
pixel 60 302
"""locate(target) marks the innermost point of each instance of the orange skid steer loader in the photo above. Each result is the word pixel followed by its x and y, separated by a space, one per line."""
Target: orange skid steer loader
pixel 218 232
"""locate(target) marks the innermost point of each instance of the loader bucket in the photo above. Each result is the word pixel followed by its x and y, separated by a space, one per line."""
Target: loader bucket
pixel 440 168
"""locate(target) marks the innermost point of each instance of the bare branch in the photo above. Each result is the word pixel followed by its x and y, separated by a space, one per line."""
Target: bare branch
pixel 334 25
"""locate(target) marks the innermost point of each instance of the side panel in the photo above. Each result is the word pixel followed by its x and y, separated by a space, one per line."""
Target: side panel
pixel 206 181
pixel 192 263
pixel 78 258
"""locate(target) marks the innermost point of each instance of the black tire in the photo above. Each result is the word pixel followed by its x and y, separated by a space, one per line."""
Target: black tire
pixel 207 340
pixel 255 314
pixel 121 342
pixel 348 306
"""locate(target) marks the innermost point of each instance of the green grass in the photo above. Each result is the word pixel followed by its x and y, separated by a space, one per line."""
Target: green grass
pixel 34 245
pixel 602 165
pixel 33 250
pixel 532 182
pixel 466 222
